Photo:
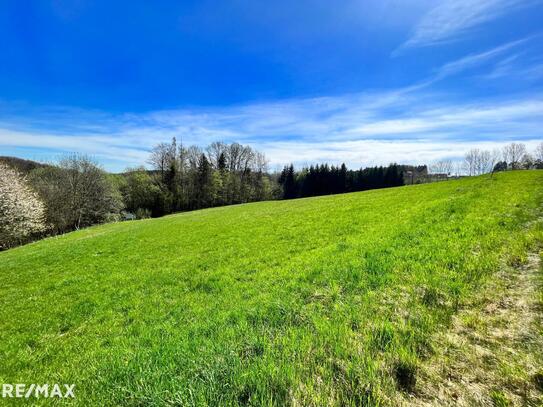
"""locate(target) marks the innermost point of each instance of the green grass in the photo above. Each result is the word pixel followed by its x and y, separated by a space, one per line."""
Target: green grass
pixel 328 300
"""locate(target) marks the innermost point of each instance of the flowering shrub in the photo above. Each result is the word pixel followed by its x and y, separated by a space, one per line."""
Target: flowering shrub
pixel 22 213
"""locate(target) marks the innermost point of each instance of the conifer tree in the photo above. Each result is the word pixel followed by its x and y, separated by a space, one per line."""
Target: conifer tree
pixel 288 181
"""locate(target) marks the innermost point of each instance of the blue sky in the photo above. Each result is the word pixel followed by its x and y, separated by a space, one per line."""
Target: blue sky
pixel 365 82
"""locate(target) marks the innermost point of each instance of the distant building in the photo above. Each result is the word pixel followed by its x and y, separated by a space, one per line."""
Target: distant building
pixel 128 216
pixel 419 175
pixel 414 174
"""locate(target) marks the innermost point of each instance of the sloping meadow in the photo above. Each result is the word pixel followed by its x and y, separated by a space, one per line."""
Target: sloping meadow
pixel 320 301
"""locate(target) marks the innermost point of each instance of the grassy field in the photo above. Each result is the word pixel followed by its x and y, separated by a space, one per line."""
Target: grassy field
pixel 329 300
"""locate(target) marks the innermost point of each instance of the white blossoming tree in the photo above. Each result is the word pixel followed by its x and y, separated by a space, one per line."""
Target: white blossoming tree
pixel 22 213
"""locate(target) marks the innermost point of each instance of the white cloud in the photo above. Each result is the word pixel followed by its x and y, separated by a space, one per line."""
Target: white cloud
pixel 452 19
pixel 513 67
pixel 474 60
pixel 393 127
pixel 109 148
pixel 361 153
pixel 348 128
pixel 410 124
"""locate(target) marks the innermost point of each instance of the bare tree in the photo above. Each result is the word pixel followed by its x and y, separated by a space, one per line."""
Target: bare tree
pixel 261 162
pixel 471 160
pixel 477 162
pixel 484 162
pixel 246 159
pixel 161 157
pixel 22 213
pixel 513 153
pixel 234 156
pixel 538 154
pixel 194 154
pixel 458 168
pixel 214 151
pixel 442 167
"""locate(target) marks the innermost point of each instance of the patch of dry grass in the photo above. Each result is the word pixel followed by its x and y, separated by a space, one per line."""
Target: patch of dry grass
pixel 492 354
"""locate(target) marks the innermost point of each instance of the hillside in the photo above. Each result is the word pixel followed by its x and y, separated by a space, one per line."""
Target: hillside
pixel 21 165
pixel 335 300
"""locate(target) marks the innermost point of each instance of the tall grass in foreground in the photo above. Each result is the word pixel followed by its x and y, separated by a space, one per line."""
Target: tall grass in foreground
pixel 328 300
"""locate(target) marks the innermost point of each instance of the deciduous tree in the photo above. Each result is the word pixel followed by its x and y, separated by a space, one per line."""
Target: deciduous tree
pixel 77 193
pixel 22 213
pixel 513 153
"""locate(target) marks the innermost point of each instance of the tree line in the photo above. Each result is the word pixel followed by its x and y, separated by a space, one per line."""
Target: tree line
pixel 194 178
pixel 326 180
pixel 476 161
pixel 37 200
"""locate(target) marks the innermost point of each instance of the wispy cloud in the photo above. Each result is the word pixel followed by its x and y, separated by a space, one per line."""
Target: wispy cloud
pixel 360 153
pixel 474 60
pixel 514 67
pixel 451 20
pixel 347 128
pixel 409 124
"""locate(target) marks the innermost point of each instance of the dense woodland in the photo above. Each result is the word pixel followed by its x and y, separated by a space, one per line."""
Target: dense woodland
pixel 193 178
pixel 325 180
pixel 46 199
